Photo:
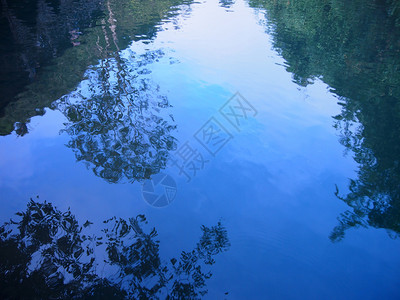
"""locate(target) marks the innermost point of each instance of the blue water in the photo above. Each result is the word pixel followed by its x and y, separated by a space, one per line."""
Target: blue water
pixel 272 184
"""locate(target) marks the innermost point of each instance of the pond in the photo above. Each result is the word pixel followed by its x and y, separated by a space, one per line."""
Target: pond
pixel 173 149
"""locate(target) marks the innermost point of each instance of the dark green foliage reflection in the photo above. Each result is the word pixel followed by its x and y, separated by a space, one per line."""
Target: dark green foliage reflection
pixel 354 47
pixel 47 253
pixel 49 45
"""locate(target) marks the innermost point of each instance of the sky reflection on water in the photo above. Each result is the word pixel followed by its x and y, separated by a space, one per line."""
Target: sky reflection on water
pixel 273 185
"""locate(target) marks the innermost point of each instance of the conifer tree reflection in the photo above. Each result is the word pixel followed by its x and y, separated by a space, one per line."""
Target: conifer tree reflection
pixel 48 254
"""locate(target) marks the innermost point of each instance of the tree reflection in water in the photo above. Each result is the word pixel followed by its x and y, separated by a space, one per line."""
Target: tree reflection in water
pixel 117 120
pixel 35 32
pixel 226 3
pixel 47 254
pixel 50 45
pixel 354 48
pixel 373 197
pixel 117 117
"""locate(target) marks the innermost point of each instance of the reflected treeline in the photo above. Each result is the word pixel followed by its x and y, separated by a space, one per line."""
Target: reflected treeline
pixel 47 254
pixel 34 32
pixel 50 44
pixel 353 46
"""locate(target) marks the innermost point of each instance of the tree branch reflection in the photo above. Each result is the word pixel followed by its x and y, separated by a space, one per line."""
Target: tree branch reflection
pixel 118 121
pixel 47 254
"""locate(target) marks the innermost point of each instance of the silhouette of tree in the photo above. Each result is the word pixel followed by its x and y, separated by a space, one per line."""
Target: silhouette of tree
pixel 46 254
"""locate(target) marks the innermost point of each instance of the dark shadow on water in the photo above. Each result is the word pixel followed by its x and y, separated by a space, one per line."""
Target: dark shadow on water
pixel 47 254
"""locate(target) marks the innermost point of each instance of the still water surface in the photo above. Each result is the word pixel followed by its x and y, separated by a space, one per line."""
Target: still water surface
pixel 274 125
